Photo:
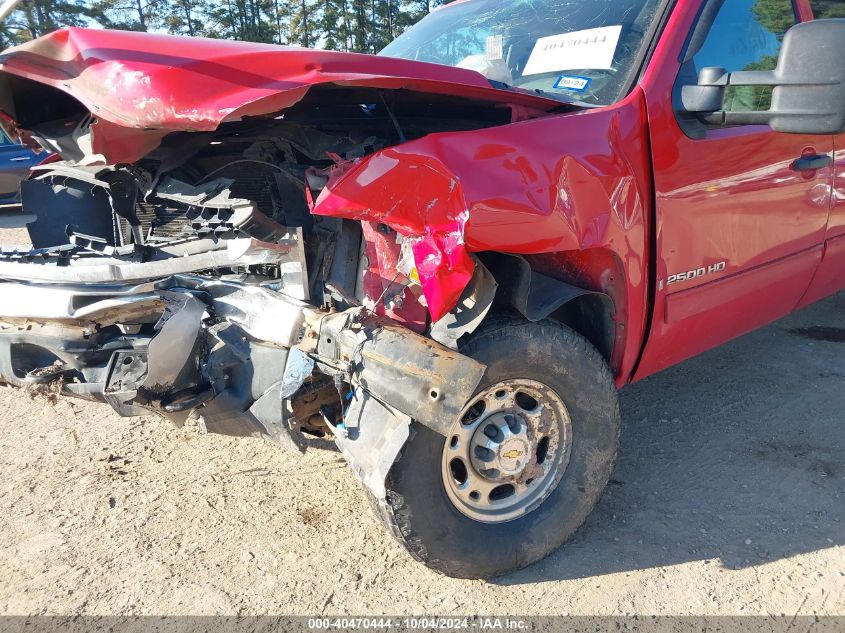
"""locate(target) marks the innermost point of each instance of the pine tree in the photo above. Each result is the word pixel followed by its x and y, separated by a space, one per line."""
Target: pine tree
pixel 364 26
pixel 34 18
pixel 360 26
pixel 336 25
pixel 129 15
pixel 824 9
pixel 183 17
pixel 302 24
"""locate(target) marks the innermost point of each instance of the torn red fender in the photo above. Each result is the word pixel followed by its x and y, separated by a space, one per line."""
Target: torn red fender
pixel 574 183
pixel 419 197
pixel 402 300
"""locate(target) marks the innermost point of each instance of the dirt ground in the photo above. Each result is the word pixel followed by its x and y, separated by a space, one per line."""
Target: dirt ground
pixel 728 498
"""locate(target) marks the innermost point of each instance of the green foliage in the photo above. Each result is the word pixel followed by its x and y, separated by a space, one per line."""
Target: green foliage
pixel 346 25
pixel 776 16
pixel 36 17
pixel 828 8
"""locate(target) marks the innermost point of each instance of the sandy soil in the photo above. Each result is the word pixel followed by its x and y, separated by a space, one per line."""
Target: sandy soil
pixel 728 498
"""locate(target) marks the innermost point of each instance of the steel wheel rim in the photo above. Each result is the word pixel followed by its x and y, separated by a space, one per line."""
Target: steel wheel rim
pixel 507 451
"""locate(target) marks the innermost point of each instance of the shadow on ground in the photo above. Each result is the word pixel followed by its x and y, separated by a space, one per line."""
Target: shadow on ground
pixel 736 457
pixel 12 218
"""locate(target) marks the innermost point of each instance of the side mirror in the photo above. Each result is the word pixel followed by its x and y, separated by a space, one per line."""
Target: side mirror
pixel 808 84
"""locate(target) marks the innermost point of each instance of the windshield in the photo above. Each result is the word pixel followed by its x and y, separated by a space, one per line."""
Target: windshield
pixel 582 50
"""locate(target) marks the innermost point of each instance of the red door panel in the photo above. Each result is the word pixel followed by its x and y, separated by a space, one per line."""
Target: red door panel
pixel 837 214
pixel 755 292
pixel 740 233
pixel 830 277
pixel 734 198
pixel 698 319
pixel 731 204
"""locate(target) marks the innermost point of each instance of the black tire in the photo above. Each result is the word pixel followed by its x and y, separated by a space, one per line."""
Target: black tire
pixel 421 516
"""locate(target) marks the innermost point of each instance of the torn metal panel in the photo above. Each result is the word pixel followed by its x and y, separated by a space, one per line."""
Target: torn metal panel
pixel 262 313
pixel 238 252
pixel 298 369
pixel 172 361
pixel 416 375
pixel 22 301
pixel 388 282
pixel 419 197
pixel 472 309
pixel 380 433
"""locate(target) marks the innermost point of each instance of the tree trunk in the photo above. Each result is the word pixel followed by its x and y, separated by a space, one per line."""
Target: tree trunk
pixel 187 6
pixel 233 18
pixel 278 20
pixel 31 20
pixel 347 32
pixel 142 19
pixel 40 17
pixel 306 42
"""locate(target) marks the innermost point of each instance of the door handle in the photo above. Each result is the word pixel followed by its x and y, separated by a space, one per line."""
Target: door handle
pixel 812 162
pixel 19 159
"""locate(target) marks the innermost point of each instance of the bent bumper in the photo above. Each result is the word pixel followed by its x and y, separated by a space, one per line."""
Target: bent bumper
pixel 240 355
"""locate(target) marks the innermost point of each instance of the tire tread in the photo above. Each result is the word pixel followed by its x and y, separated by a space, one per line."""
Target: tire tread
pixel 395 513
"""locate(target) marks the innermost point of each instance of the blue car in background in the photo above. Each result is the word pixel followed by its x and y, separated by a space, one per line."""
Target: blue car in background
pixel 15 163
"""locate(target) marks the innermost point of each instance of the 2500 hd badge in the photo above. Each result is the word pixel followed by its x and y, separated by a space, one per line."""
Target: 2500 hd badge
pixel 697 273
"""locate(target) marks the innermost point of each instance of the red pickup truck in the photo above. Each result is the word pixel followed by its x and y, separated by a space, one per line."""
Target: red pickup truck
pixel 447 257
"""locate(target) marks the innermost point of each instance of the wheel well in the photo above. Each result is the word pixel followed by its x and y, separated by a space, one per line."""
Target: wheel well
pixel 592 317
pixel 537 296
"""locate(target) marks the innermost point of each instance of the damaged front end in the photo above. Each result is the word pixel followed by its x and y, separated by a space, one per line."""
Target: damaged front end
pixel 297 248
pixel 215 274
pixel 287 243
pixel 184 299
pixel 249 359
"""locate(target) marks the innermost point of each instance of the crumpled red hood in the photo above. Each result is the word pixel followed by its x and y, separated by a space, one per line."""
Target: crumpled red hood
pixel 141 86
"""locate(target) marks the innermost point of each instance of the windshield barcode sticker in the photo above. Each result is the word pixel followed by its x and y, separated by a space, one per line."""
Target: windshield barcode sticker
pixel 592 48
pixel 573 82
pixel 495 48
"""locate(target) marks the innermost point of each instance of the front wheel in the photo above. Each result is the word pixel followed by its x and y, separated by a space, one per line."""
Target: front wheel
pixel 524 464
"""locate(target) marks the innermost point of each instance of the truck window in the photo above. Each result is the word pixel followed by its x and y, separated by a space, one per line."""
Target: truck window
pixel 583 50
pixel 747 35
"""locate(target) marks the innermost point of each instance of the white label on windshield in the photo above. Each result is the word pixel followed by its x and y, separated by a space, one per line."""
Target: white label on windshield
pixel 495 48
pixel 593 48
